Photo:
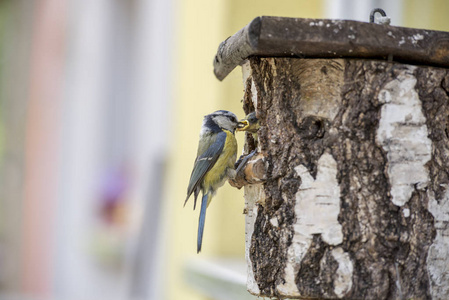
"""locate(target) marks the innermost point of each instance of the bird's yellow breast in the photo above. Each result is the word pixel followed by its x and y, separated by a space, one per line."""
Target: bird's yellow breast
pixel 216 176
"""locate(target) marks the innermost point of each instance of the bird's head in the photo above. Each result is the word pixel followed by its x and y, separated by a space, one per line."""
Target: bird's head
pixel 221 120
pixel 250 123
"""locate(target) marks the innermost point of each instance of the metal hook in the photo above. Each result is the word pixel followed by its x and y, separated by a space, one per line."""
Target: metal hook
pixel 382 20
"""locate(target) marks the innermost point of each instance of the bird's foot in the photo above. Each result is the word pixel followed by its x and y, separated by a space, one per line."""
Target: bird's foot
pixel 250 169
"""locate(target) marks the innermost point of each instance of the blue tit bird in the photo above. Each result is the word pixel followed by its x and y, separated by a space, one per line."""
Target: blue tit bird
pixel 214 164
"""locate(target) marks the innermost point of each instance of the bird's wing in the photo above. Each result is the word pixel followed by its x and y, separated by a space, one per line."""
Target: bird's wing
pixel 204 163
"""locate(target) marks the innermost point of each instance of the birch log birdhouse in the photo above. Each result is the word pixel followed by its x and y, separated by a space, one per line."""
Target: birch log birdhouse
pixel 354 145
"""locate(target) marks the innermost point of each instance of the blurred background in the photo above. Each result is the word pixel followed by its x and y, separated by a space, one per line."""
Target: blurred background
pixel 101 103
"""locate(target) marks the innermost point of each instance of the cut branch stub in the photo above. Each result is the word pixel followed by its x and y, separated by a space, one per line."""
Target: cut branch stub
pixel 252 172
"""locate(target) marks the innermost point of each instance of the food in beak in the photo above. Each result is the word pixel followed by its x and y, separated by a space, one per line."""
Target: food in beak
pixel 242 124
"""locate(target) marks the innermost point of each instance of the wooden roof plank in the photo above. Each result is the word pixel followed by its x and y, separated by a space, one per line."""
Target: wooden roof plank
pixel 326 38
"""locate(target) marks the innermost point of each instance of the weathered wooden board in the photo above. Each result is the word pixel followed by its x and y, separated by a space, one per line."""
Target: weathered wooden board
pixel 308 38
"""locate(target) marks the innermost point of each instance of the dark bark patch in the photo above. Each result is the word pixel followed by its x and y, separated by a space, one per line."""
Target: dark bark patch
pixel 308 279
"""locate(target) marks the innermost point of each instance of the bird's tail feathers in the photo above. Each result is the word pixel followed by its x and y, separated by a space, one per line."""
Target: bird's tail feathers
pixel 195 193
pixel 201 222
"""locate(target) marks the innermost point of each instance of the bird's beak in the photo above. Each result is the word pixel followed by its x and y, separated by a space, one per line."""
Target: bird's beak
pixel 242 125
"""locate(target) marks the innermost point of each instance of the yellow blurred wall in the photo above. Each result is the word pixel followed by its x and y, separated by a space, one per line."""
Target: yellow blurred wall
pixel 202 26
pixel 426 14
